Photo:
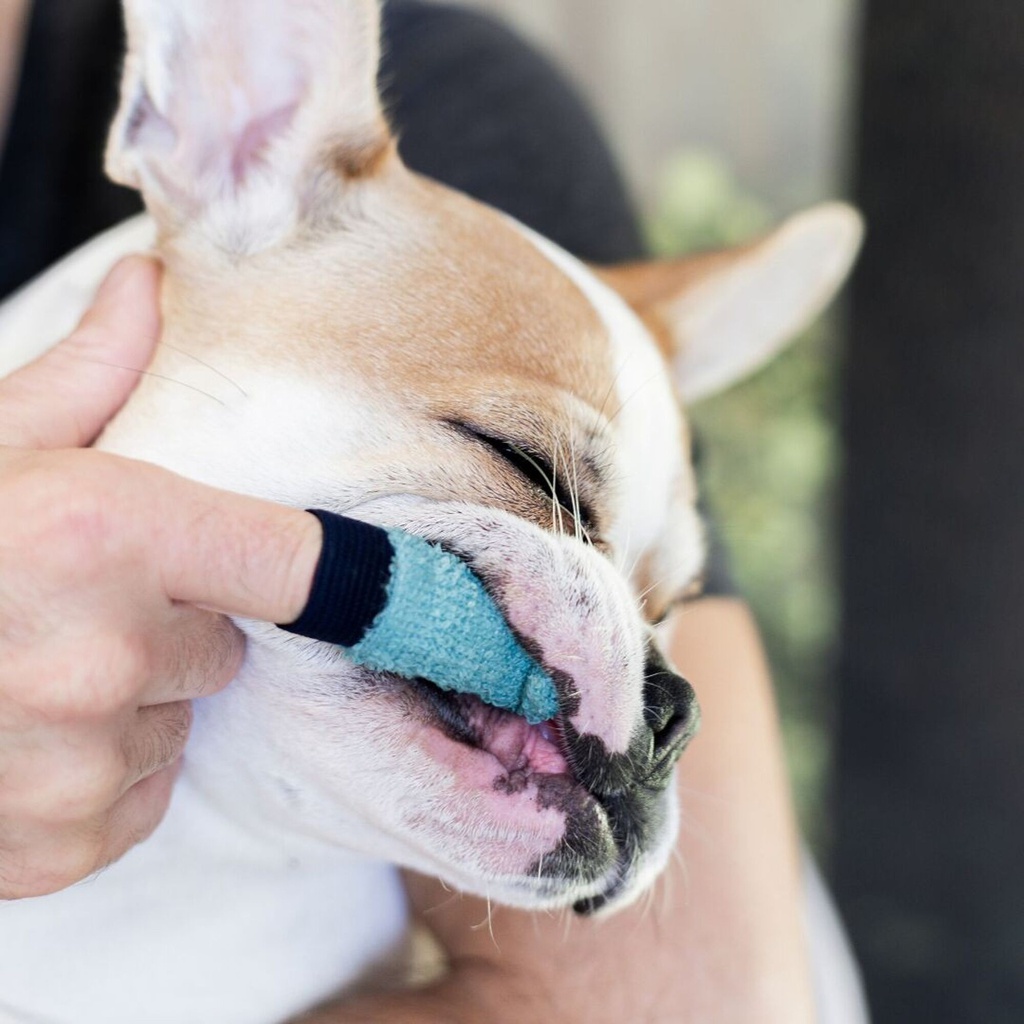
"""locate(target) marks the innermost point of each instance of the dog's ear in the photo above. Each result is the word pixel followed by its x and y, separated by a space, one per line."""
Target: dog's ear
pixel 720 316
pixel 240 114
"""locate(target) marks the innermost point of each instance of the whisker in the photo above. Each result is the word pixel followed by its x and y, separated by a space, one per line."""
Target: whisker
pixel 556 505
pixel 151 373
pixel 212 369
pixel 556 508
pixel 615 381
pixel 453 897
pixel 574 489
pixel 639 388
pixel 654 586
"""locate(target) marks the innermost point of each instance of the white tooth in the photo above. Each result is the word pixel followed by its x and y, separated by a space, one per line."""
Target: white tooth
pixel 546 732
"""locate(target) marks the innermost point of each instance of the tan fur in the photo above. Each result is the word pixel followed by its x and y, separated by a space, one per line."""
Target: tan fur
pixel 438 308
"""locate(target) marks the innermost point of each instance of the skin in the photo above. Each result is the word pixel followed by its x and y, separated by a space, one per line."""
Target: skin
pixel 110 572
pixel 96 679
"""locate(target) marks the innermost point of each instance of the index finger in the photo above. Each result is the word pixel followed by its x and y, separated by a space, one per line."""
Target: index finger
pixel 228 552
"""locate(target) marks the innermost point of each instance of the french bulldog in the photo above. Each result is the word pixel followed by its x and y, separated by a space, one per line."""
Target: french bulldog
pixel 341 333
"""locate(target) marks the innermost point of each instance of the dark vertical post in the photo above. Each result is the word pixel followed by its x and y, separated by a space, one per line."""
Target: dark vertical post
pixel 930 803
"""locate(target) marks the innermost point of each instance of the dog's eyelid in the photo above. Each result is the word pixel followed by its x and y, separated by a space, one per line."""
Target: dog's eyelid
pixel 538 469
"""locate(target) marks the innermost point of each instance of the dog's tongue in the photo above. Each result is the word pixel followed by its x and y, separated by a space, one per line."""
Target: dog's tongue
pixel 397 603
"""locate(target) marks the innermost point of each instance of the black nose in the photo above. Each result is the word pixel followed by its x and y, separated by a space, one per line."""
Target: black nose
pixel 671 717
pixel 670 712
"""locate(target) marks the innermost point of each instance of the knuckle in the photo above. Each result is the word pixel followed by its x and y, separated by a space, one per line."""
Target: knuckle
pixel 213 656
pixel 97 789
pixel 120 668
pixel 32 873
pixel 226 644
pixel 164 739
pixel 69 864
pixel 68 506
pixel 78 789
pixel 94 679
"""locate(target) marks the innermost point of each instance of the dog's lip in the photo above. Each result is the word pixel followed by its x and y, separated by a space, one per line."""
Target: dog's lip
pixel 456 745
pixel 521 749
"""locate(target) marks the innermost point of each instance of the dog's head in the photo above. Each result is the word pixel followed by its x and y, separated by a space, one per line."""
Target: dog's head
pixel 342 333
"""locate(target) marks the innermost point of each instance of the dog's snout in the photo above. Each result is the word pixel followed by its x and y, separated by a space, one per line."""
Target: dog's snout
pixel 636 812
pixel 670 720
pixel 671 711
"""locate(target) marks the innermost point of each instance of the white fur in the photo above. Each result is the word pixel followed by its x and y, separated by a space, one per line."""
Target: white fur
pixel 181 926
pixel 738 318
pixel 225 107
pixel 37 316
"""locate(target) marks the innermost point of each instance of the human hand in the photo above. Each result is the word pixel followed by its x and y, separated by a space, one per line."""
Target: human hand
pixel 112 575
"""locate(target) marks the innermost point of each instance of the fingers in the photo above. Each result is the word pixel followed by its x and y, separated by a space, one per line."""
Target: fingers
pixel 42 856
pixel 96 517
pixel 91 797
pixel 64 399
pixel 137 814
pixel 75 799
pixel 196 653
pixel 155 740
pixel 236 555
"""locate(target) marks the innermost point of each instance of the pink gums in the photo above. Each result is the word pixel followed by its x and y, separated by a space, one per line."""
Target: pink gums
pixel 519 746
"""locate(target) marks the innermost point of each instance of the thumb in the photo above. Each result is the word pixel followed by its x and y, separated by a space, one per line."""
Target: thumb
pixel 64 398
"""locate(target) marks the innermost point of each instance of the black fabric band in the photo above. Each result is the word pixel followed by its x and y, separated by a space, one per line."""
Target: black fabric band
pixel 350 585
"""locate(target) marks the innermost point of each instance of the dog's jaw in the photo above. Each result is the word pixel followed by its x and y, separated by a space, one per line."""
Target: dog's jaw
pixel 306 742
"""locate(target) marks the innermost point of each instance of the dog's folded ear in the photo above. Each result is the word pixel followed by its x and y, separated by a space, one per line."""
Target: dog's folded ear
pixel 238 115
pixel 720 316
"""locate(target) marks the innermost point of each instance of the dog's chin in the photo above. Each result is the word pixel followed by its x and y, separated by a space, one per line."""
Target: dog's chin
pixel 551 843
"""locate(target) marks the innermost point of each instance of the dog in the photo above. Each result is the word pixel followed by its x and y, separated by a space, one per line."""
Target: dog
pixel 342 333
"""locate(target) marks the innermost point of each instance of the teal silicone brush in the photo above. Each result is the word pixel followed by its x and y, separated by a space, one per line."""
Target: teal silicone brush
pixel 397 603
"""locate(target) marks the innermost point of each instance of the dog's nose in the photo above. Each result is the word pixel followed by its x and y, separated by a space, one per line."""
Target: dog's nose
pixel 670 712
pixel 671 717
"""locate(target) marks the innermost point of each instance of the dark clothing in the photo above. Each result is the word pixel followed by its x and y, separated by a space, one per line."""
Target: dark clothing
pixel 53 193
pixel 473 106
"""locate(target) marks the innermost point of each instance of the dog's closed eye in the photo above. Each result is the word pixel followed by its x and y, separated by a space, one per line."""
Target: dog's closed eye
pixel 539 471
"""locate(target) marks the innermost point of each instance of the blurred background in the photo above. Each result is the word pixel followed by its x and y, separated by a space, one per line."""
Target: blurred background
pixel 870 483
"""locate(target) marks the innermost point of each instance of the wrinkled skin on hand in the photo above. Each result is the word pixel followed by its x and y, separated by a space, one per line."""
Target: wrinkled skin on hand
pixel 104 564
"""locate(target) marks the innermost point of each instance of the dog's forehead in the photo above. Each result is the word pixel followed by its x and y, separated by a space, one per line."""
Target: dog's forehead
pixel 424 307
pixel 427 294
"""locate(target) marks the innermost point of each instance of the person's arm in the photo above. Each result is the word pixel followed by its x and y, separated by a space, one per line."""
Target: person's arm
pixel 720 939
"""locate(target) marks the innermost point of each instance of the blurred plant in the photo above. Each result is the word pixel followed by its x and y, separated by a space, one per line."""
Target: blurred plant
pixel 770 464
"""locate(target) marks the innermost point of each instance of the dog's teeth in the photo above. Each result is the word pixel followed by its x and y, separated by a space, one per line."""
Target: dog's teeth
pixel 546 732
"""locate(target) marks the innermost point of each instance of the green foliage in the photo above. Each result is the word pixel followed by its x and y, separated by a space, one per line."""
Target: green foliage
pixel 771 457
